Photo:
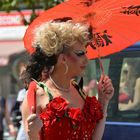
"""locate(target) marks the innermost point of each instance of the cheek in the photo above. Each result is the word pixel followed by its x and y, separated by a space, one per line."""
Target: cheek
pixel 73 60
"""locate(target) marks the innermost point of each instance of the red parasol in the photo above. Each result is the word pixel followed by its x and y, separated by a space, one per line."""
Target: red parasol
pixel 115 23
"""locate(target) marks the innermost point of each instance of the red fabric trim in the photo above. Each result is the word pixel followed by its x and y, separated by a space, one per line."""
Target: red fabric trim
pixel 31 96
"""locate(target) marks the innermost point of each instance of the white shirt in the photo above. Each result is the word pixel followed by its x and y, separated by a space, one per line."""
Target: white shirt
pixel 21 95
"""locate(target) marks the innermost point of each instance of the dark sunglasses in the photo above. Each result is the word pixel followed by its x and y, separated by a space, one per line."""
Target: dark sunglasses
pixel 80 53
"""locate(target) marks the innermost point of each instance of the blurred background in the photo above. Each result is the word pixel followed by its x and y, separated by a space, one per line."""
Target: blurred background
pixel 15 16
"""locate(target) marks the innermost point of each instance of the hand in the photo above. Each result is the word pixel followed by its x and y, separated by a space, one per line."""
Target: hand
pixel 34 124
pixel 105 90
pixel 12 130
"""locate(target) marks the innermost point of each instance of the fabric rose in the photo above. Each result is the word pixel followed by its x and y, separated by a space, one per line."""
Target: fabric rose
pixel 93 109
pixel 47 115
pixel 76 115
pixel 54 110
pixel 58 106
pixel 47 118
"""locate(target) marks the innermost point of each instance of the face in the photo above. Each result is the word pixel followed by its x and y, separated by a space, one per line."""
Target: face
pixel 77 60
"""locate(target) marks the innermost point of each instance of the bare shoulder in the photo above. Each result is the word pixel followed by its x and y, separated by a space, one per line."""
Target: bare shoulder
pixel 42 98
pixel 25 109
pixel 137 82
pixel 39 91
pixel 25 105
pixel 25 112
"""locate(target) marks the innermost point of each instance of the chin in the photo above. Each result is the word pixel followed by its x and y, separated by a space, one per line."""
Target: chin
pixel 79 74
pixel 83 73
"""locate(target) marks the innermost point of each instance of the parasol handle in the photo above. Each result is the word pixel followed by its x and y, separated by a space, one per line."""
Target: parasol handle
pixel 101 66
pixel 100 62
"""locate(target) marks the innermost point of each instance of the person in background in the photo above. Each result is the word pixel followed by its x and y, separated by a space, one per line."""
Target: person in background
pixel 124 95
pixel 130 87
pixel 21 135
pixel 60 109
pixel 91 88
pixel 24 78
pixel 4 113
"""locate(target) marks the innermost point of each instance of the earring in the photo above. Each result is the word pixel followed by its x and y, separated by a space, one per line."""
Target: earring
pixel 66 68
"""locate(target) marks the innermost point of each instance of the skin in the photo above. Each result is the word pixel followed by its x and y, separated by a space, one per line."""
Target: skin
pixel 76 67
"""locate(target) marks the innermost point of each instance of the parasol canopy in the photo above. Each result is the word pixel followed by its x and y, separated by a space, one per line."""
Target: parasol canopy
pixel 115 23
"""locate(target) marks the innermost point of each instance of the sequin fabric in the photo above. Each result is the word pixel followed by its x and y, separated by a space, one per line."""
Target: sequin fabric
pixel 61 122
pixel 65 123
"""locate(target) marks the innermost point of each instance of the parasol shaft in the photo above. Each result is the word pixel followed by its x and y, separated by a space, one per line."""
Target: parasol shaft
pixel 101 66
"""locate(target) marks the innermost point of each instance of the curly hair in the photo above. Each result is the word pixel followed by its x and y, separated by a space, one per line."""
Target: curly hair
pixel 51 39
pixel 37 62
pixel 52 36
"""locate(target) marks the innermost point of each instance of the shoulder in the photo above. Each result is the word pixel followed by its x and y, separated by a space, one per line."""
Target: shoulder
pixel 25 109
pixel 138 82
pixel 39 91
pixel 34 87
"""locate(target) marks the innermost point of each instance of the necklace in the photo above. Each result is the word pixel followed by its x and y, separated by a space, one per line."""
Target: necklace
pixel 60 88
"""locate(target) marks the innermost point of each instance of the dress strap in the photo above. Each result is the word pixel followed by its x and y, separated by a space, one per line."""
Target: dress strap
pixel 43 85
pixel 79 88
pixel 31 96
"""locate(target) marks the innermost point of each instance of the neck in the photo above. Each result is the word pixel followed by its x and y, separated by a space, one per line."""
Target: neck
pixel 60 82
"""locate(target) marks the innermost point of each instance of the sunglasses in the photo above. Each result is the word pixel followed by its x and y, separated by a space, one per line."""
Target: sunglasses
pixel 80 53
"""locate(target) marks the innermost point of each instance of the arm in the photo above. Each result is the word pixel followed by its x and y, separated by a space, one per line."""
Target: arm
pixel 99 130
pixel 105 93
pixel 9 122
pixel 31 121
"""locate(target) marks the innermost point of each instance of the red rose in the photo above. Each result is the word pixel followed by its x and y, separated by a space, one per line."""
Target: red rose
pixel 47 118
pixel 96 109
pixel 75 114
pixel 47 115
pixel 54 110
pixel 93 109
pixel 58 106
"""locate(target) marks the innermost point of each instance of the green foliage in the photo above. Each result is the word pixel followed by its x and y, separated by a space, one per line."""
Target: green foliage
pixel 19 5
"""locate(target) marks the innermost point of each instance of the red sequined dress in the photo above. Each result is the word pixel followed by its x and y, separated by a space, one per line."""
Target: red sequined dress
pixel 62 122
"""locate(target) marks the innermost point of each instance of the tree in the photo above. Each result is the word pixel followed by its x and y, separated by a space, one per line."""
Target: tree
pixel 19 5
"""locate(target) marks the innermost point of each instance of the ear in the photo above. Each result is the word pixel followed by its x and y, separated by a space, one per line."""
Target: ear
pixel 62 58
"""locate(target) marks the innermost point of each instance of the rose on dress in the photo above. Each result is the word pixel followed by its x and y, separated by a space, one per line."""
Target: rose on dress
pixel 76 115
pixel 92 109
pixel 58 105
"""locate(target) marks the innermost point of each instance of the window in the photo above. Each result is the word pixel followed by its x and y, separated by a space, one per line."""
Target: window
pixel 129 89
pixel 127 110
pixel 116 66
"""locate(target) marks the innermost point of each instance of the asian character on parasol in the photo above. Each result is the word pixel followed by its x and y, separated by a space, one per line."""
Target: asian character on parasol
pixel 114 23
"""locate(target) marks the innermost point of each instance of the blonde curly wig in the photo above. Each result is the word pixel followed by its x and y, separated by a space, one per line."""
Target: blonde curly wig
pixel 52 37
